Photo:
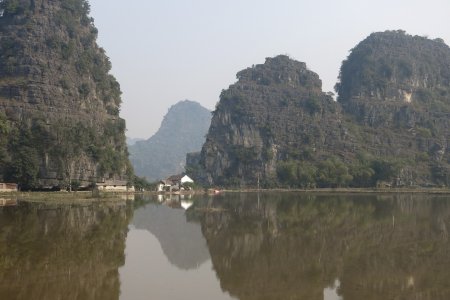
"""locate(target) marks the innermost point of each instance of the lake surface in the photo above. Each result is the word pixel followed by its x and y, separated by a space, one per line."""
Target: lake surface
pixel 231 246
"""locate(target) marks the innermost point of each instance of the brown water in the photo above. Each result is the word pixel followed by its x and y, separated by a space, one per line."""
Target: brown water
pixel 232 246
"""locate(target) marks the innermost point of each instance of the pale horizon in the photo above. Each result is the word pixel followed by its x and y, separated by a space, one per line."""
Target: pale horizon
pixel 166 52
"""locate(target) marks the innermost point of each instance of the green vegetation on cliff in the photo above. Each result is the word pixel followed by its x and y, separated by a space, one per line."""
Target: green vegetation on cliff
pixel 394 66
pixel 396 87
pixel 269 117
pixel 59 106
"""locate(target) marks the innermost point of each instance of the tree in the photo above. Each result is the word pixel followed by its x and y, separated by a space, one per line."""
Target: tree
pixel 4 130
pixel 141 184
pixel 306 175
pixel 24 165
pixel 385 170
pixel 287 173
pixel 362 175
pixel 333 173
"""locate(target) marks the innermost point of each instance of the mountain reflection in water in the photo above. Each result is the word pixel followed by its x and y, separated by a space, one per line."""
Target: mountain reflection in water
pixel 167 256
pixel 287 246
pixel 231 246
pixel 182 241
pixel 62 251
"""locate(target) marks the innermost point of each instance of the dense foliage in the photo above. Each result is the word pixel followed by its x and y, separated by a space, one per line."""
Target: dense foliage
pixel 142 184
pixel 333 172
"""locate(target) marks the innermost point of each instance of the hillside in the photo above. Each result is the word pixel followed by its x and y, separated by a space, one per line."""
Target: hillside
pixel 182 131
pixel 273 114
pixel 397 88
pixel 389 127
pixel 59 106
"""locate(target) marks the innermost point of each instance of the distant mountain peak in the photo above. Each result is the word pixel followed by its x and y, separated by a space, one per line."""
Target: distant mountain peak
pixel 182 130
pixel 131 141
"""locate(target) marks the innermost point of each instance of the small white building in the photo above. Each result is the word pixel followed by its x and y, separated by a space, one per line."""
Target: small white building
pixel 173 183
pixel 164 185
pixel 7 202
pixel 186 179
pixel 186 204
pixel 114 186
pixel 8 187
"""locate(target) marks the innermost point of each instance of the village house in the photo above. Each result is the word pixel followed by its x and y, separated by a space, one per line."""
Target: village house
pixel 173 183
pixel 8 187
pixel 115 186
pixel 164 185
pixel 7 202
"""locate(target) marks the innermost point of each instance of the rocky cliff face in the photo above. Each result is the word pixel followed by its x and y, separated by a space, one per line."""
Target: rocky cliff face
pixel 389 126
pixel 58 102
pixel 395 67
pixel 273 113
pixel 397 86
pixel 182 131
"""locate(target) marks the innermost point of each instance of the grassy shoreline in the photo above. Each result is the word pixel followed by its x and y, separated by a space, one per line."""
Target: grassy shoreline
pixel 63 197
pixel 348 190
pixel 110 197
pixel 88 195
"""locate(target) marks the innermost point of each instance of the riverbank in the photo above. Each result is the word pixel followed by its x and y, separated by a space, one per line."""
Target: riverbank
pixel 91 197
pixel 442 191
pixel 66 197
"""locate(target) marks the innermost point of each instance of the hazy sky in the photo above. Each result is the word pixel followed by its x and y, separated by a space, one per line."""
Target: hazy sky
pixel 164 51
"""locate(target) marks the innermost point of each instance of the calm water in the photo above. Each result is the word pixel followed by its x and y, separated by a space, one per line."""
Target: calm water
pixel 238 246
